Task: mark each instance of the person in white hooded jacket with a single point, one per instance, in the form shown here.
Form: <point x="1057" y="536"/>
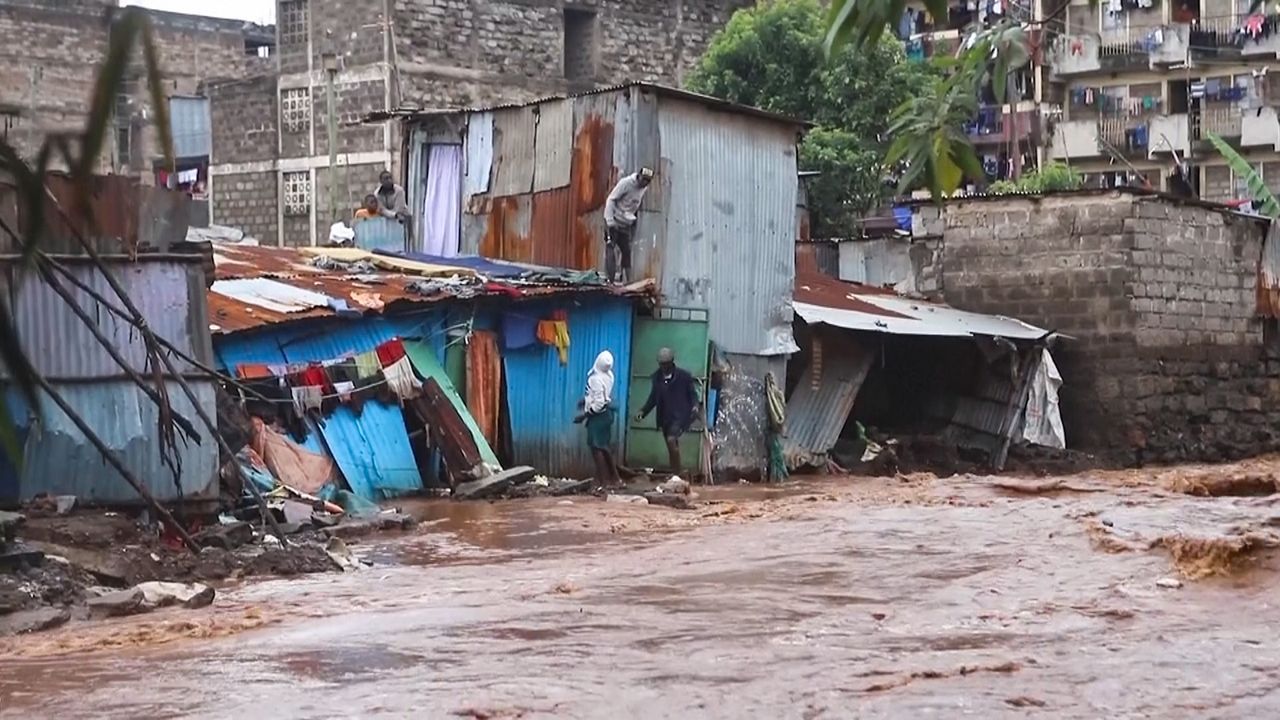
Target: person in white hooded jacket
<point x="599" y="414"/>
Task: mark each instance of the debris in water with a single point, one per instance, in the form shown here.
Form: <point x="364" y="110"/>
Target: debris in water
<point x="1169" y="583"/>
<point x="627" y="499"/>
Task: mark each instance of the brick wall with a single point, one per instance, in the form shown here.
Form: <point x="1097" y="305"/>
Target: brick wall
<point x="46" y="64"/>
<point x="474" y="52"/>
<point x="243" y="115"/>
<point x="52" y="51"/>
<point x="354" y="182"/>
<point x="248" y="201"/>
<point x="1159" y="296"/>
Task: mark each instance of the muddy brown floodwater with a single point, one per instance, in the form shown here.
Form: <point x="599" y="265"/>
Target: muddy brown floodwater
<point x="851" y="597"/>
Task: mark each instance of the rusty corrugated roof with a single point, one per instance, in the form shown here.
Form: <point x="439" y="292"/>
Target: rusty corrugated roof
<point x="372" y="292"/>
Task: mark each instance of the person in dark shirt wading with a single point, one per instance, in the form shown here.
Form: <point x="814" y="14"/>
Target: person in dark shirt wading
<point x="675" y="396"/>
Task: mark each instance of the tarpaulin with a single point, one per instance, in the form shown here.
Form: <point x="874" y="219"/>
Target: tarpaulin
<point x="1042" y="422"/>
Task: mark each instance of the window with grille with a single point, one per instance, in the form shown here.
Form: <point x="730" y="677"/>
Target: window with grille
<point x="295" y="109"/>
<point x="297" y="193"/>
<point x="292" y="22"/>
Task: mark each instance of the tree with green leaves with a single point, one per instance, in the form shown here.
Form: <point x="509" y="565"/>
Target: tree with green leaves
<point x="928" y="128"/>
<point x="772" y="56"/>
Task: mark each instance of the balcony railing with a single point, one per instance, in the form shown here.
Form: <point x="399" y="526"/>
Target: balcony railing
<point x="1224" y="121"/>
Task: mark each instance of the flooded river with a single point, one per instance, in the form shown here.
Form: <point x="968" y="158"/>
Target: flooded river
<point x="871" y="598"/>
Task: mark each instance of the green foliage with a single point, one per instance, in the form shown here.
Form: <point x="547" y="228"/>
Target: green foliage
<point x="1053" y="177"/>
<point x="80" y="153"/>
<point x="928" y="129"/>
<point x="771" y="56"/>
<point x="1258" y="190"/>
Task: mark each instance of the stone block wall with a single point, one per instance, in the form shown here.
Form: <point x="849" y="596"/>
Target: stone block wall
<point x="244" y="118"/>
<point x="1158" y="295"/>
<point x="46" y="65"/>
<point x="353" y="183"/>
<point x="249" y="201"/>
<point x="53" y="49"/>
<point x="477" y="52"/>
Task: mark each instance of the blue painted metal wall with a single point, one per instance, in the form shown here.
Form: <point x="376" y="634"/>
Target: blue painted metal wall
<point x="542" y="394"/>
<point x="59" y="460"/>
<point x="371" y="449"/>
<point x="379" y="233"/>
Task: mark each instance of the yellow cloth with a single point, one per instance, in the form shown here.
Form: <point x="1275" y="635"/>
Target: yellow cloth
<point x="556" y="333"/>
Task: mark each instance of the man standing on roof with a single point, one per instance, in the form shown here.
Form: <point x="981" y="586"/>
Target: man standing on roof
<point x="620" y="222"/>
<point x="674" y="393"/>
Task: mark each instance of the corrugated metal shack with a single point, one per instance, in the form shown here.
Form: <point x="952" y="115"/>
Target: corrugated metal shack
<point x="716" y="230"/>
<point x="166" y="281"/>
<point x="274" y="305"/>
<point x="912" y="367"/>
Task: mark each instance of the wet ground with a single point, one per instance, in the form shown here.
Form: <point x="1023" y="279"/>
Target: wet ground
<point x="1118" y="595"/>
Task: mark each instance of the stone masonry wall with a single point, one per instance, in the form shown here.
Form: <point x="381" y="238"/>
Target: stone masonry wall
<point x="478" y="52"/>
<point x="52" y="50"/>
<point x="46" y="62"/>
<point x="243" y="204"/>
<point x="1159" y="297"/>
<point x="244" y="117"/>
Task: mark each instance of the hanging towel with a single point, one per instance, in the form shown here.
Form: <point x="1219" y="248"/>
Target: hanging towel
<point x="401" y="380"/>
<point x="307" y="397"/>
<point x="344" y="390"/>
<point x="562" y="340"/>
<point x="547" y="332"/>
<point x="484" y="382"/>
<point x="368" y="364"/>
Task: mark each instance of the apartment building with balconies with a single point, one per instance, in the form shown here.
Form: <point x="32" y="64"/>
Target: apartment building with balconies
<point x="1144" y="82"/>
<point x="1008" y="132"/>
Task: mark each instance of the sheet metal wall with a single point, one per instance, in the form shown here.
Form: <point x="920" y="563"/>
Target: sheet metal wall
<point x="542" y="394"/>
<point x="189" y="126"/>
<point x="729" y="244"/>
<point x="59" y="460"/>
<point x="170" y="293"/>
<point x="717" y="229"/>
<point x="371" y="449"/>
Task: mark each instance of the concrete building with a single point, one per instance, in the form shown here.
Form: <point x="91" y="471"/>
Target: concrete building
<point x="1146" y="82"/>
<point x="49" y="56"/>
<point x="1170" y="303"/>
<point x="272" y="173"/>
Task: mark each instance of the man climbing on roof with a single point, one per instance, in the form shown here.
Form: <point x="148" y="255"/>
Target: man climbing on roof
<point x="620" y="222"/>
<point x="674" y="394"/>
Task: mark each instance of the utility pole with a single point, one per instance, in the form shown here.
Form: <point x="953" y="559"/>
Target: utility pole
<point x="330" y="73"/>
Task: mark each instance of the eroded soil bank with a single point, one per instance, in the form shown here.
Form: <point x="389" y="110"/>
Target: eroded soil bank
<point x="1130" y="594"/>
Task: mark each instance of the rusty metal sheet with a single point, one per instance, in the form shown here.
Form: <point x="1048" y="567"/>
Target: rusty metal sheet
<point x="820" y="404"/>
<point x="507" y="223"/>
<point x="513" y="155"/>
<point x="593" y="172"/>
<point x="1269" y="274"/>
<point x="551" y="235"/>
<point x="378" y="292"/>
<point x="553" y="138"/>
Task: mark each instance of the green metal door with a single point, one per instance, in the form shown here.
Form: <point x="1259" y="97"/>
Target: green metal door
<point x="685" y="332"/>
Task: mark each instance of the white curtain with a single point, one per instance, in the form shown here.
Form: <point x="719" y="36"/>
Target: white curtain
<point x="441" y="211"/>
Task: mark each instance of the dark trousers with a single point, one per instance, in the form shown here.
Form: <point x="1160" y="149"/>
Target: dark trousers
<point x="617" y="248"/>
